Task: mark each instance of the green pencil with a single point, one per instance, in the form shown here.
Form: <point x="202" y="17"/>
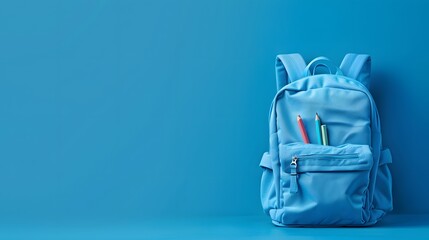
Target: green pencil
<point x="324" y="135"/>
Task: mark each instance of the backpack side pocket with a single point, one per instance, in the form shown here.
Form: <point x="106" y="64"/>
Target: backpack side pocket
<point x="268" y="193"/>
<point x="383" y="185"/>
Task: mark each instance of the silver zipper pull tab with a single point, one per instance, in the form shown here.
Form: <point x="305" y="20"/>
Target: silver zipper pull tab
<point x="293" y="175"/>
<point x="294" y="160"/>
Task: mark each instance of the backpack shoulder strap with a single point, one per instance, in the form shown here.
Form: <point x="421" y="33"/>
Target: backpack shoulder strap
<point x="357" y="66"/>
<point x="289" y="67"/>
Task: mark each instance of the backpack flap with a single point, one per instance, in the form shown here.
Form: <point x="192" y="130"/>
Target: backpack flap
<point x="289" y="67"/>
<point x="358" y="67"/>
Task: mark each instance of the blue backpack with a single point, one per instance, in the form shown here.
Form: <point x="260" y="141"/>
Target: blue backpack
<point x="341" y="177"/>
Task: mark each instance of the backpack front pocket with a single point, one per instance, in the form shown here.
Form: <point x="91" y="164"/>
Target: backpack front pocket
<point x="324" y="185"/>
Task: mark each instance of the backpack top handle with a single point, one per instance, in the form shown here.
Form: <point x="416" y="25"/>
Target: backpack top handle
<point x="322" y="62"/>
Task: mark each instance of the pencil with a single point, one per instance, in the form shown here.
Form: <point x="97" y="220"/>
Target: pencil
<point x="324" y="135"/>
<point x="302" y="129"/>
<point x="318" y="133"/>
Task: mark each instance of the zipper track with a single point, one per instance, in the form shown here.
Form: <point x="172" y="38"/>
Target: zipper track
<point x="327" y="156"/>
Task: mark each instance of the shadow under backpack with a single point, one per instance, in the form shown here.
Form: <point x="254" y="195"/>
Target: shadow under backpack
<point x="345" y="183"/>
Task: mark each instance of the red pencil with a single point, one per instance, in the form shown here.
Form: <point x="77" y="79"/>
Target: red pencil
<point x="302" y="129"/>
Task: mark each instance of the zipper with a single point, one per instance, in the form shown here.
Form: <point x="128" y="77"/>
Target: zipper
<point x="327" y="156"/>
<point x="293" y="175"/>
<point x="294" y="165"/>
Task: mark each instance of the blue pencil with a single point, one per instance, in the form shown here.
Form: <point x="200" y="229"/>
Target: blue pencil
<point x="318" y="132"/>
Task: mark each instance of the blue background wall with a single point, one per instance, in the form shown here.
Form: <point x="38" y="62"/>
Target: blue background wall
<point x="131" y="109"/>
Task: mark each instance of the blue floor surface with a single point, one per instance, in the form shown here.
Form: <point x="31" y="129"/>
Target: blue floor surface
<point x="408" y="227"/>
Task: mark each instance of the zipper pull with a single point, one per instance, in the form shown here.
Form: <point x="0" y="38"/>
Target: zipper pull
<point x="293" y="175"/>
